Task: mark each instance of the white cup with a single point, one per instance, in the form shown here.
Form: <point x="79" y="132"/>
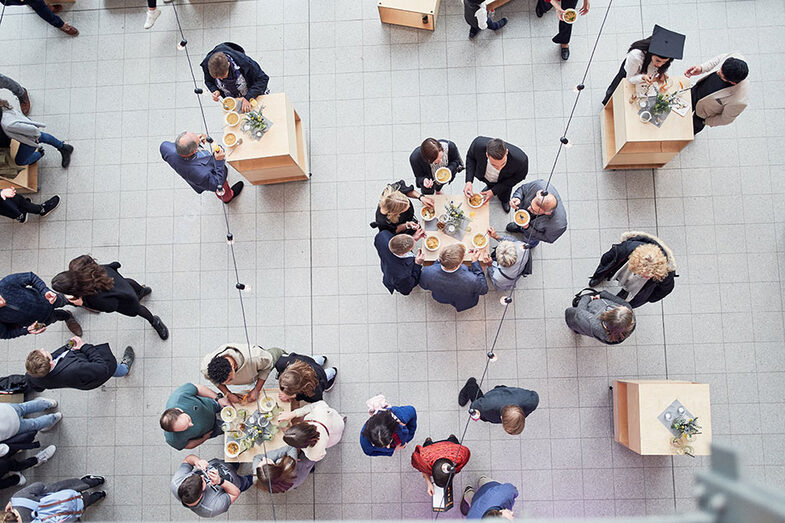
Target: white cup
<point x="645" y="116"/>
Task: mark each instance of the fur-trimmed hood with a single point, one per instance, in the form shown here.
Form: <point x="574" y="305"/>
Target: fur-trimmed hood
<point x="667" y="250"/>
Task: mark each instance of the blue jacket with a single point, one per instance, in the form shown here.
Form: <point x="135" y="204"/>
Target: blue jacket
<point x="398" y="274"/>
<point x="492" y="403"/>
<point x="203" y="173"/>
<point x="408" y="416"/>
<point x="461" y="289"/>
<point x="492" y="495"/>
<point x="255" y="78"/>
<point x="25" y="304"/>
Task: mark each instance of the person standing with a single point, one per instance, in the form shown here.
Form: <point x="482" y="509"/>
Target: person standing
<point x="282" y="469"/>
<point x="208" y="488"/>
<point x="16" y="206"/>
<point x="27" y="306"/>
<point x="431" y="156"/>
<point x="400" y="268"/>
<point x="388" y="429"/>
<point x="304" y="378"/>
<point x="239" y="364"/>
<point x="13" y="421"/>
<point x="49" y="16"/>
<point x="602" y="316"/>
<point x="501" y="166"/>
<point x="491" y="500"/>
<point x="475" y="13"/>
<point x="395" y="212"/>
<point x="509" y="406"/>
<point x="10" y="447"/>
<point x="512" y="260"/>
<point x="565" y="29"/>
<point x="18" y="91"/>
<point x="76" y="365"/>
<point x="547" y="214"/>
<point x="451" y="282"/>
<point x="321" y="428"/>
<point x="436" y="459"/>
<point x="62" y="501"/>
<point x="152" y="13"/>
<point x="16" y="126"/>
<point x="229" y="72"/>
<point x="648" y="60"/>
<point x="720" y="96"/>
<point x="204" y="171"/>
<point x="191" y="416"/>
<point x="102" y="288"/>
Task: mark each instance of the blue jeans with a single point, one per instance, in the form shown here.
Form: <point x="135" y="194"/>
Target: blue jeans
<point x="28" y="155"/>
<point x="245" y="481"/>
<point x="120" y="371"/>
<point x="31" y="407"/>
<point x="41" y="9"/>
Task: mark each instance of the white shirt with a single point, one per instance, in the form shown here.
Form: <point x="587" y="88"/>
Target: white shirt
<point x="491" y="173"/>
<point x="629" y="281"/>
<point x="633" y="63"/>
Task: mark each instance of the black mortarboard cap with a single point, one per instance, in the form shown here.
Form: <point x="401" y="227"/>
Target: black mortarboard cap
<point x="666" y="43"/>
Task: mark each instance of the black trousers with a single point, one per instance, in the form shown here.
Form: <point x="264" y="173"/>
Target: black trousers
<point x="615" y="83"/>
<point x="698" y="123"/>
<point x="503" y="193"/>
<point x="18" y="205"/>
<point x="565" y="29"/>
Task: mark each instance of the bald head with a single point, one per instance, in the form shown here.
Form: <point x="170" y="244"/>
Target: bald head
<point x="543" y="204"/>
<point x="186" y="143"/>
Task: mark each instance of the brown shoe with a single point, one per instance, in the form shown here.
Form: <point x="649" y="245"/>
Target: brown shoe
<point x="69" y="30"/>
<point x="24" y="103"/>
<point x="56" y="8"/>
<point x="73" y="326"/>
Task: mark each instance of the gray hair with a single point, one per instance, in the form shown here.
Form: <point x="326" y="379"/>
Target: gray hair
<point x="506" y="253"/>
<point x="185" y="148"/>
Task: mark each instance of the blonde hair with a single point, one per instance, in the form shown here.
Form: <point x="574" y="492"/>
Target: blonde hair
<point x="452" y="256"/>
<point x="400" y="244"/>
<point x="513" y="419"/>
<point x="648" y="260"/>
<point x="37" y="364"/>
<point x="506" y="253"/>
<point x="393" y="203"/>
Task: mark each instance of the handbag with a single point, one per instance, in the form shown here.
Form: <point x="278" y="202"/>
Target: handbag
<point x="580" y="294"/>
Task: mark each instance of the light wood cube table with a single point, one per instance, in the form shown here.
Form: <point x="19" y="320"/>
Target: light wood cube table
<point x="420" y="14"/>
<point x="479" y="224"/>
<point x="638" y="403"/>
<point x="628" y="143"/>
<point x="280" y="155"/>
<point x="27" y="179"/>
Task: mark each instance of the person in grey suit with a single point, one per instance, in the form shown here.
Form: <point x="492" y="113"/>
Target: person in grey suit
<point x="548" y="217"/>
<point x="603" y="316"/>
<point x="453" y="283"/>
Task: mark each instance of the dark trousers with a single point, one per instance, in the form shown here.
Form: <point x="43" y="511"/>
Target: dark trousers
<point x="143" y="311"/>
<point x="503" y="193"/>
<point x="698" y="123"/>
<point x="245" y="481"/>
<point x="40" y="7"/>
<point x="17" y="206"/>
<point x="27" y="155"/>
<point x="565" y="29"/>
<point x="615" y="83"/>
<point x="473" y="390"/>
<point x="451" y="439"/>
<point x="13" y="465"/>
<point x="58" y="314"/>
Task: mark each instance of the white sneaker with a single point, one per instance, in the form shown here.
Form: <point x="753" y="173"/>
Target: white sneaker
<point x="53" y="403"/>
<point x="4" y="449"/>
<point x="22" y="479"/>
<point x="58" y="416"/>
<point x="152" y="16"/>
<point x="45" y="455"/>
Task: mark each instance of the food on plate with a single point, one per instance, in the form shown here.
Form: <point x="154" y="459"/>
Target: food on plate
<point x="443" y="175"/>
<point x="427" y="213"/>
<point x="431" y="243"/>
<point x="232" y="118"/>
<point x="475" y="200"/>
<point x="521" y="217"/>
<point x="267" y="405"/>
<point x="229" y="104"/>
<point x="479" y="240"/>
<point x="230" y="139"/>
<point x="228" y="414"/>
<point x="232" y="448"/>
<point x="570" y="15"/>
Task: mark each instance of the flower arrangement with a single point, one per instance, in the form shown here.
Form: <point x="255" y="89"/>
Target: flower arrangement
<point x="455" y="214"/>
<point x="255" y="123"/>
<point x="688" y="426"/>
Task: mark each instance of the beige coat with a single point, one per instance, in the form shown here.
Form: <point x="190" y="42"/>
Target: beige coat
<point x="252" y="364"/>
<point x="329" y="420"/>
<point x="722" y="107"/>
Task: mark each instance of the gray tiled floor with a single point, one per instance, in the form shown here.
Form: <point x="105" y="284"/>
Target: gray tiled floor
<point x="369" y="93"/>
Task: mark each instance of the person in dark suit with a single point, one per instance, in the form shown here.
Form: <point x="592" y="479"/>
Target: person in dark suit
<point x="229" y="72"/>
<point x="27" y="306"/>
<point x="453" y="283"/>
<point x="643" y="265"/>
<point x="431" y="156"/>
<point x="565" y="29"/>
<point x="509" y="406"/>
<point x="76" y="365"/>
<point x="400" y="268"/>
<point x="501" y="166"/>
<point x="102" y="288"/>
<point x="204" y="171"/>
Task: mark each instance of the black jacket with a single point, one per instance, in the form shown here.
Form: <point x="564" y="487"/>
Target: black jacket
<point x="84" y="369"/>
<point x="422" y="169"/>
<point x="381" y="221"/>
<point x="514" y="171"/>
<point x="398" y="274"/>
<point x="618" y="255"/>
<point x="255" y="78"/>
<point x="492" y="403"/>
<point x="120" y="298"/>
<point x="321" y="376"/>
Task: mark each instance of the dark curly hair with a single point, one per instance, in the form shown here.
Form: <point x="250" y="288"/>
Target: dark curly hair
<point x="218" y="369"/>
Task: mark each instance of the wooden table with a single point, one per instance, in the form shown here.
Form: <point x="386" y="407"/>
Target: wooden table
<point x="628" y="143"/>
<point x="479" y="224"/>
<point x="276" y="442"/>
<point x="637" y="403"/>
<point x="420" y="14"/>
<point x="280" y="155"/>
<point x="27" y="179"/>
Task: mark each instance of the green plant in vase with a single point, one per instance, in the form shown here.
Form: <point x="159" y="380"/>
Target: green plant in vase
<point x="255" y="123"/>
<point x="662" y="104"/>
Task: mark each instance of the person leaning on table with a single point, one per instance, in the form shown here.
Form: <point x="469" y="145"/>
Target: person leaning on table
<point x="720" y="96"/>
<point x="431" y="156"/>
<point x="401" y="269"/>
<point x="500" y="165"/>
<point x="191" y="416"/>
<point x="512" y="260"/>
<point x="239" y="364"/>
<point x="229" y="72"/>
<point x="319" y="428"/>
<point x="451" y="282"/>
<point x="547" y="215"/>
<point x="208" y="488"/>
<point x="395" y="212"/>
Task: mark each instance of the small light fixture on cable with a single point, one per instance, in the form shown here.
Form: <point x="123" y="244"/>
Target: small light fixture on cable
<point x="492" y="355"/>
<point x="475" y="414"/>
<point x="229" y="239"/>
<point x="565" y="141"/>
<point x="181" y="44"/>
<point x="505" y="300"/>
<point x="578" y="88"/>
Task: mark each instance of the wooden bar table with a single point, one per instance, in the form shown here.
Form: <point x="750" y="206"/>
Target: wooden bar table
<point x="276" y="442"/>
<point x="638" y="403"/>
<point x="479" y="223"/>
<point x="27" y="179"/>
<point x="280" y="155"/>
<point x="628" y="143"/>
<point x="420" y="14"/>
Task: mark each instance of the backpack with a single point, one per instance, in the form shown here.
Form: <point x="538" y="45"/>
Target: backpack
<point x="55" y="507"/>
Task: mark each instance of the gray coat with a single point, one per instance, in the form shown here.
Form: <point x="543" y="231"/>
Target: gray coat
<point x="543" y="228"/>
<point x="585" y="318"/>
<point x="20" y="128"/>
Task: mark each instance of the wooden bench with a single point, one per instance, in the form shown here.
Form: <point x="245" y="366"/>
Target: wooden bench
<point x="420" y="14"/>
